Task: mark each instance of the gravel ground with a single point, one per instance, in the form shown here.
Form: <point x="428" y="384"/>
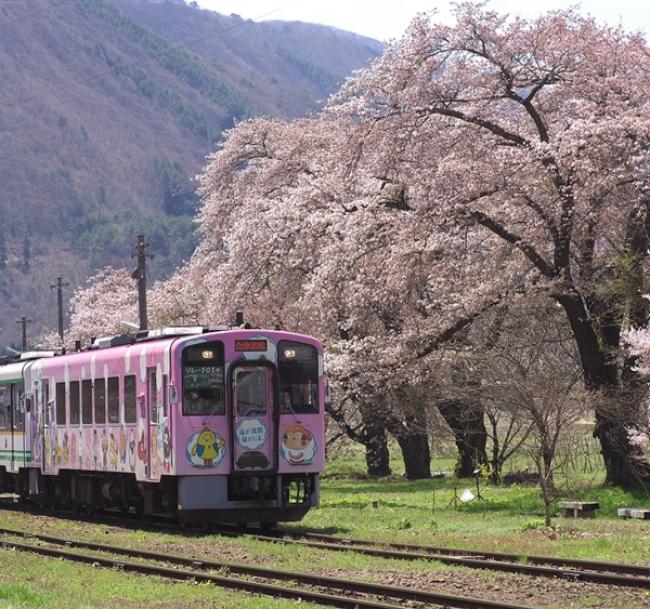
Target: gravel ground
<point x="520" y="589"/>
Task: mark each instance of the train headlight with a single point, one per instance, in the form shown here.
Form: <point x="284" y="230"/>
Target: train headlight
<point x="207" y="354"/>
<point x="289" y="353"/>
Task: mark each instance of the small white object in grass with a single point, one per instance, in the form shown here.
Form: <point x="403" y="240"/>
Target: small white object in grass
<point x="466" y="496"/>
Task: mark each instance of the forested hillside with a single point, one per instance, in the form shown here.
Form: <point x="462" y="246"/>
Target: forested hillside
<point x="107" y="111"/>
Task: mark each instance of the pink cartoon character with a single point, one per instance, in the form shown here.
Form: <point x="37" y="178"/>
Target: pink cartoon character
<point x="298" y="444"/>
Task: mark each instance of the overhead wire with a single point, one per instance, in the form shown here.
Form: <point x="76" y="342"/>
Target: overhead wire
<point x="48" y="6"/>
<point x="20" y="103"/>
<point x="138" y="62"/>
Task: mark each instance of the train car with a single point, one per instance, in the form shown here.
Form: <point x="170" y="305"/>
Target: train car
<point x="222" y="425"/>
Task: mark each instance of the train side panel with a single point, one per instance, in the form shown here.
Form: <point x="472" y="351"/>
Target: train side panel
<point x="104" y="411"/>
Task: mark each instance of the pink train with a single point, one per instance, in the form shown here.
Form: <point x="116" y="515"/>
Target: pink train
<point x="210" y="425"/>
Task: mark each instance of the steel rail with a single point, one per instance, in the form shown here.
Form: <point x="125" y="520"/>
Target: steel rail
<point x="597" y="577"/>
<point x="591" y="565"/>
<point x="617" y="574"/>
<point x="380" y="590"/>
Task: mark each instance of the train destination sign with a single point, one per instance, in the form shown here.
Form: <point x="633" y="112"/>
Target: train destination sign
<point x="250" y="345"/>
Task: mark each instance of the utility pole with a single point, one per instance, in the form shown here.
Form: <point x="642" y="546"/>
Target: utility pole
<point x="24" y="321"/>
<point x="59" y="301"/>
<point x="140" y="274"/>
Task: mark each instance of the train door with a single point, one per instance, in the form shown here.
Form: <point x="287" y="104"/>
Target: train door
<point x="12" y="421"/>
<point x="254" y="414"/>
<point x="151" y="423"/>
<point x="18" y="405"/>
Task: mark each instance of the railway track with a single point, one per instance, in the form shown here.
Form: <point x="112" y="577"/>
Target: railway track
<point x="616" y="574"/>
<point x="588" y="571"/>
<point x="323" y="590"/>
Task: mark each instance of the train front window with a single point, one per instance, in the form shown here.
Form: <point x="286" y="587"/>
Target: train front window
<point x="252" y="387"/>
<point x="298" y="372"/>
<point x="203" y="391"/>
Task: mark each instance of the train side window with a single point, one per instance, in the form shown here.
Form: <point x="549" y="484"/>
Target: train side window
<point x="60" y="403"/>
<point x="130" y="399"/>
<point x="100" y="401"/>
<point x="74" y="403"/>
<point x="19" y="415"/>
<point x="153" y="397"/>
<point x="165" y="382"/>
<point x="46" y="400"/>
<point x="87" y="402"/>
<point x="5" y="405"/>
<point x="113" y="400"/>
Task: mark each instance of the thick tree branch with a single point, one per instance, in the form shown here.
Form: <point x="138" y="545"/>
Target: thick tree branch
<point x="494" y="128"/>
<point x="529" y="251"/>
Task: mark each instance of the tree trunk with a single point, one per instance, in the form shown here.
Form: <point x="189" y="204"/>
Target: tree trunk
<point x="625" y="464"/>
<point x="376" y="442"/>
<point x="416" y="455"/>
<point x="465" y="420"/>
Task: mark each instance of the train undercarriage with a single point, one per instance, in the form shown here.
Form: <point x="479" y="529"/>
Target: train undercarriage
<point x="265" y="499"/>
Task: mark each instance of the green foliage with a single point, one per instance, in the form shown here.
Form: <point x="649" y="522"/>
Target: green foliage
<point x="106" y="237"/>
<point x="535" y="523"/>
<point x="627" y="279"/>
<point x="178" y="193"/>
<point x="319" y="76"/>
<point x="177" y="61"/>
<point x="403" y="523"/>
<point x="166" y="99"/>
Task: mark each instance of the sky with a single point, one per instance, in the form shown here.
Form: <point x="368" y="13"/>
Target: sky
<point x="386" y="19"/>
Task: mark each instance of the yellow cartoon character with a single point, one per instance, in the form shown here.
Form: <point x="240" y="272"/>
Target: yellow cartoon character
<point x="207" y="448"/>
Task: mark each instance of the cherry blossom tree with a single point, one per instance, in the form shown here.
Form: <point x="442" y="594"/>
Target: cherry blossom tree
<point x="534" y="133"/>
<point x="300" y="237"/>
<point x="100" y="308"/>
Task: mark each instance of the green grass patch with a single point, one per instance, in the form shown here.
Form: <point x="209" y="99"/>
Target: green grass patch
<point x="510" y="519"/>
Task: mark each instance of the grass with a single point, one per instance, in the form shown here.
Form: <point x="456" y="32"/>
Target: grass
<point x="26" y="583"/>
<point x="509" y="519"/>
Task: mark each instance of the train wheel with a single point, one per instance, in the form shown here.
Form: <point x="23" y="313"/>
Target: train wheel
<point x="268" y="525"/>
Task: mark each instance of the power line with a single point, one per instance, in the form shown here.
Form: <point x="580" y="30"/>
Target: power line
<point x="48" y="7"/>
<point x="18" y="103"/>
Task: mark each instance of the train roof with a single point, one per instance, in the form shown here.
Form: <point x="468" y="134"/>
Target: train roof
<point x="12" y="372"/>
<point x="149" y="335"/>
<point x="12" y="367"/>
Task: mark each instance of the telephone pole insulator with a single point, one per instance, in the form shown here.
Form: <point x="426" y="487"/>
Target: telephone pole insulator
<point x="140" y="273"/>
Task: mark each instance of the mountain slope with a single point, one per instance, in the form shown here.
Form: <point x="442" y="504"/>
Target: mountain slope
<point x="282" y="68"/>
<point x="103" y="120"/>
